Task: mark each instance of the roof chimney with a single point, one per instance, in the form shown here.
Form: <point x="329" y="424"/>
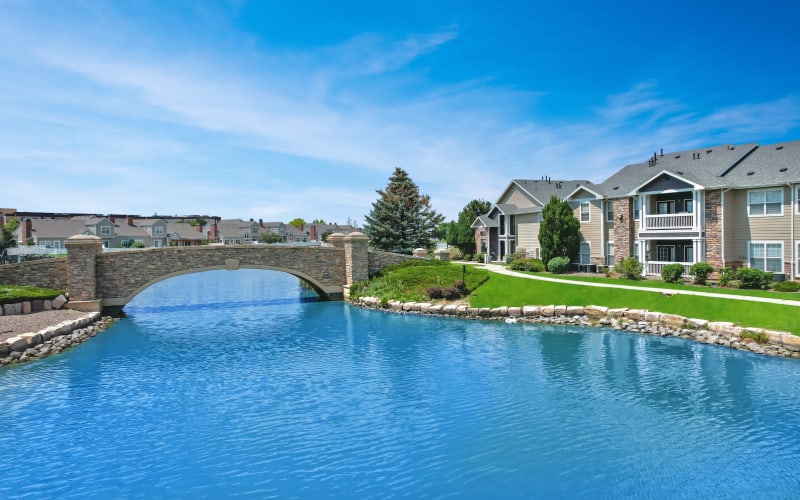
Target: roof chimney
<point x="261" y="222"/>
<point x="27" y="231"/>
<point x="129" y="220"/>
<point x="662" y="151"/>
<point x="112" y="219"/>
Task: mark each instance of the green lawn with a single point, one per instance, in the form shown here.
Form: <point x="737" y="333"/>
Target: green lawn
<point x="501" y="290"/>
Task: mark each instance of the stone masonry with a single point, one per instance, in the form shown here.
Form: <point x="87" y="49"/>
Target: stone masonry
<point x="623" y="229"/>
<point x="713" y="216"/>
<point x="82" y="251"/>
<point x="45" y="273"/>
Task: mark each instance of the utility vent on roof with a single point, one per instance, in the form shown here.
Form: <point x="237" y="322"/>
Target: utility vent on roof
<point x="677" y="156"/>
<point x="778" y="147"/>
<point x="708" y="151"/>
<point x="784" y="169"/>
<point x="750" y="172"/>
<point x="679" y="172"/>
<point x="616" y="187"/>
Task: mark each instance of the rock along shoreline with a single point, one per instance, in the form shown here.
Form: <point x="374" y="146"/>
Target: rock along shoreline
<point x="53" y="339"/>
<point x="773" y="343"/>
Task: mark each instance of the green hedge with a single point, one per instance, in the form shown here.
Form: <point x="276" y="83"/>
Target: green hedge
<point x="10" y="294"/>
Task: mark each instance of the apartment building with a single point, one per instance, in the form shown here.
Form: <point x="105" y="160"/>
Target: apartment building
<point x="729" y="205"/>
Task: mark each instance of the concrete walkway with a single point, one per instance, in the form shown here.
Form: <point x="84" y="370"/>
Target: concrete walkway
<point x="495" y="268"/>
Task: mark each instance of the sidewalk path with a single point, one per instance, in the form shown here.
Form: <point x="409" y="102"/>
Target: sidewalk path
<point x="503" y="270"/>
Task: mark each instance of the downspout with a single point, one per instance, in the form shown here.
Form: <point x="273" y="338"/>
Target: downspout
<point x="603" y="223"/>
<point x="792" y="211"/>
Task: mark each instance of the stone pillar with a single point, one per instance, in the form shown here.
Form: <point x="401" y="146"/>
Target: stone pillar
<point x="623" y="229"/>
<point x="356" y="257"/>
<point x="81" y="281"/>
<point x="336" y="240"/>
<point x="420" y="253"/>
<point x="713" y="220"/>
<point x="442" y="254"/>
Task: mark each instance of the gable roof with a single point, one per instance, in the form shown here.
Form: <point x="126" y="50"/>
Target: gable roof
<point x="542" y="190"/>
<point x="704" y="167"/>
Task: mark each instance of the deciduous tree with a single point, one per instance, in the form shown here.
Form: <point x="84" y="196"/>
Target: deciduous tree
<point x="461" y="234"/>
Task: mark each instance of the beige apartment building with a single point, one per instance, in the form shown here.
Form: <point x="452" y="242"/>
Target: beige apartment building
<point x="729" y="205"/>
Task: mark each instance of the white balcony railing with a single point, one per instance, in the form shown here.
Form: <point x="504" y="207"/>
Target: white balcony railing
<point x="653" y="268"/>
<point x="668" y="222"/>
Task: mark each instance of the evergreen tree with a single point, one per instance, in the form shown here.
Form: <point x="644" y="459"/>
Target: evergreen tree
<point x="461" y="234"/>
<point x="402" y="219"/>
<point x="559" y="232"/>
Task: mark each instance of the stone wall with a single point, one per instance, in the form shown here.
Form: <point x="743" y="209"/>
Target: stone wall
<point x="45" y="273"/>
<point x="726" y="334"/>
<point x="120" y="274"/>
<point x="713" y="224"/>
<point x="623" y="229"/>
<point x="379" y="260"/>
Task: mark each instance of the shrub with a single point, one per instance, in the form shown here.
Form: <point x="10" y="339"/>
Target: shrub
<point x="455" y="253"/>
<point x="786" y="286"/>
<point x="434" y="292"/>
<point x="451" y="293"/>
<point x="478" y="257"/>
<point x="630" y="268"/>
<point x="752" y="278"/>
<point x="671" y="273"/>
<point x="758" y="337"/>
<point x="461" y="286"/>
<point x="700" y="271"/>
<point x="725" y="276"/>
<point x="467" y="257"/>
<point x="531" y="265"/>
<point x="558" y="265"/>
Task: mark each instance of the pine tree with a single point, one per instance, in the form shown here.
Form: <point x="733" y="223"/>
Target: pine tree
<point x="401" y="219"/>
<point x="462" y="235"/>
<point x="559" y="232"/>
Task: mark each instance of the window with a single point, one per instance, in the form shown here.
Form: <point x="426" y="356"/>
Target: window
<point x="105" y="230"/>
<point x="585" y="212"/>
<point x="501" y="224"/>
<point x="158" y="230"/>
<point x="610" y="253"/>
<point x="56" y="244"/>
<point x="254" y="230"/>
<point x="637" y="208"/>
<point x="512" y="224"/>
<point x="666" y="253"/>
<point x="688" y="206"/>
<point x="765" y="202"/>
<point x="766" y="255"/>
<point x="666" y="207"/>
<point x="636" y="250"/>
<point x="688" y="254"/>
<point x="157" y="243"/>
<point x="586" y="252"/>
<point x="609" y="211"/>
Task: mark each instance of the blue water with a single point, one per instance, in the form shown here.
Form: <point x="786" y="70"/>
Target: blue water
<point x="226" y="384"/>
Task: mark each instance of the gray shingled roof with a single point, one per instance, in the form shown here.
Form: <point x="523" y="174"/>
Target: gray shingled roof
<point x="768" y="165"/>
<point x="484" y="221"/>
<point x="709" y="167"/>
<point x="543" y="190"/>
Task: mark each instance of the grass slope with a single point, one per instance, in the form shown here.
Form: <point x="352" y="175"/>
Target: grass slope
<point x="501" y="290"/>
<point x="10" y="294"/>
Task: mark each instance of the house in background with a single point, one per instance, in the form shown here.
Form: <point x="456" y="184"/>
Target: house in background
<point x="730" y="205"/>
<point x="116" y="232"/>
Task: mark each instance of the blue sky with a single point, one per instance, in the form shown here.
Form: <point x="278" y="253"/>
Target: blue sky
<point x="277" y="110"/>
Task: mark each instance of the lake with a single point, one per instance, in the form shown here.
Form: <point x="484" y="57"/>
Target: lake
<point x="232" y="383"/>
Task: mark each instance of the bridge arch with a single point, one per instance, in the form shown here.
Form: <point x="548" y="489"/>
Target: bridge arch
<point x="325" y="292"/>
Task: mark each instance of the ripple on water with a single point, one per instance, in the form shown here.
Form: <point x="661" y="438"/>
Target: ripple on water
<point x="235" y="396"/>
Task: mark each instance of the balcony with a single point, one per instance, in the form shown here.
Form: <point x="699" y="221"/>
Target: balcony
<point x="668" y="222"/>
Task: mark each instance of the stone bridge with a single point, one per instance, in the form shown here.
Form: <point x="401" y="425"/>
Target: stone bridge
<point x="107" y="281"/>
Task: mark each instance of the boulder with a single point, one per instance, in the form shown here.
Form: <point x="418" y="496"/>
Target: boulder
<point x="59" y="302"/>
<point x="595" y="311"/>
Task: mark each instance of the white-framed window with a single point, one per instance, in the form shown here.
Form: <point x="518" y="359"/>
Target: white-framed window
<point x="610" y="211"/>
<point x="797" y="205"/>
<point x="105" y="230"/>
<point x="637" y="208"/>
<point x="666" y="207"/>
<point x="586" y="252"/>
<point x="512" y="224"/>
<point x="56" y="244"/>
<point x="636" y="250"/>
<point x="765" y="202"/>
<point x="158" y="230"/>
<point x="157" y="243"/>
<point x="666" y="253"/>
<point x="501" y="224"/>
<point x="254" y="230"/>
<point x="688" y="205"/>
<point x="610" y="253"/>
<point x="44" y="243"/>
<point x="688" y="254"/>
<point x="765" y="255"/>
<point x="585" y="214"/>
